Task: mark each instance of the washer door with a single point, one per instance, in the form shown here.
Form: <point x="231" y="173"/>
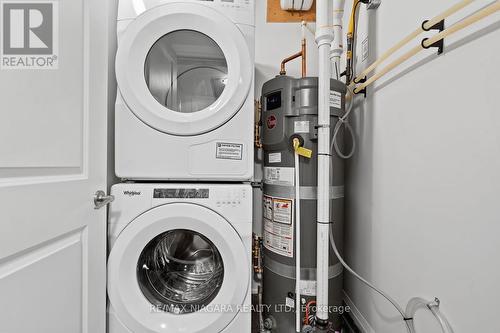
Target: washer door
<point x="178" y="268"/>
<point x="183" y="68"/>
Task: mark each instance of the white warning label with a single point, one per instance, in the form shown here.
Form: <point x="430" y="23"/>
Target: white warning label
<point x="229" y="151"/>
<point x="335" y="99"/>
<point x="278" y="225"/>
<point x="279" y="176"/>
<point x="301" y="126"/>
<point x="308" y="287"/>
<point x="282" y="210"/>
<point x="275" y="158"/>
<point x="268" y="208"/>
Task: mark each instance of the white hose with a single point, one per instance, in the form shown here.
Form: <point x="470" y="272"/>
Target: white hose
<point x="344" y="120"/>
<point x="298" y="321"/>
<point x="360" y="278"/>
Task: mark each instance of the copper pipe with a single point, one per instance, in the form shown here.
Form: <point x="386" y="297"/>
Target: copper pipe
<point x="256" y="254"/>
<point x="302" y="53"/>
<point x="257" y="124"/>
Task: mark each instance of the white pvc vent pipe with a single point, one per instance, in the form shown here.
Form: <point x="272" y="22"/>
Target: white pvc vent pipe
<point x="301" y="5"/>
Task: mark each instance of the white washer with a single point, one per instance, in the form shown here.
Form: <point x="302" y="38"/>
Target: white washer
<point x="180" y="258"/>
<point x="185" y="104"/>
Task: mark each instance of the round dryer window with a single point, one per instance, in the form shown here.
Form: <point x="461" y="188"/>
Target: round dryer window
<point x="183" y="68"/>
<point x="186" y="71"/>
<point x="180" y="271"/>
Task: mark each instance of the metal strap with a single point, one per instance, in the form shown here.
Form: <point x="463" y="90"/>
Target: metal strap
<point x="306" y="192"/>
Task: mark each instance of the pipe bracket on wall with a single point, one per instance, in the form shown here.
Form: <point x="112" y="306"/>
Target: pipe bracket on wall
<point x="440" y="43"/>
<point x="362" y="91"/>
<point x="373" y="4"/>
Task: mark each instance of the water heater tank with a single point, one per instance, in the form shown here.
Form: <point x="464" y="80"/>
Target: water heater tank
<point x="289" y="110"/>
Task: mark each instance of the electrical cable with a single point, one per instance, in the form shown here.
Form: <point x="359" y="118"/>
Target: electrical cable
<point x="344" y="120"/>
<point x="360" y="278"/>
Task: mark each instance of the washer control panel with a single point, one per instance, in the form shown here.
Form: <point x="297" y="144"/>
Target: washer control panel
<point x="231" y="198"/>
<point x="181" y="193"/>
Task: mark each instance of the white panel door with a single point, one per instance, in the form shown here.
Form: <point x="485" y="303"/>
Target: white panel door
<point x="52" y="161"/>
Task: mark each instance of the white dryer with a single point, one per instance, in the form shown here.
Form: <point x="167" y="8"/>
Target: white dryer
<point x="185" y="104"/>
<point x="180" y="258"/>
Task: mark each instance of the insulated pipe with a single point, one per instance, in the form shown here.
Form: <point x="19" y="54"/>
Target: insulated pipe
<point x="324" y="37"/>
<point x="452" y="10"/>
<point x="429" y="24"/>
<point x="493" y="8"/>
<point x="337" y="47"/>
<point x="485" y="12"/>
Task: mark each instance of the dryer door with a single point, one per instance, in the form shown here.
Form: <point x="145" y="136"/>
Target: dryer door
<point x="178" y="268"/>
<point x="183" y="68"/>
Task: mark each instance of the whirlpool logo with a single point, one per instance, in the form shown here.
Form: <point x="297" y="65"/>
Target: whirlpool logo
<point x="132" y="193"/>
<point x="29" y="34"/>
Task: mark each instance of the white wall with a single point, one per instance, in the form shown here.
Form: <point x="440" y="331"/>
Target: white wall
<point x="423" y="210"/>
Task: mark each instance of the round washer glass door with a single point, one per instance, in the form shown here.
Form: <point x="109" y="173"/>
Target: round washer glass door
<point x="183" y="68"/>
<point x="180" y="271"/>
<point x="171" y="265"/>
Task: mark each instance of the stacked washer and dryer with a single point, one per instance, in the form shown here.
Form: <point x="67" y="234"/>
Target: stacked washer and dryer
<point x="180" y="228"/>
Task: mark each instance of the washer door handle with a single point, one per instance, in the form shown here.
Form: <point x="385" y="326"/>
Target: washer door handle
<point x="101" y="199"/>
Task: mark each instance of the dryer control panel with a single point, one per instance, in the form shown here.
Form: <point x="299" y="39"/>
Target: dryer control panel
<point x="233" y="3"/>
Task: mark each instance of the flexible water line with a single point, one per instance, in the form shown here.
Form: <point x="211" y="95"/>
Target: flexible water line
<point x="419" y="303"/>
<point x="298" y="325"/>
<point x="344" y="120"/>
<point x="360" y="278"/>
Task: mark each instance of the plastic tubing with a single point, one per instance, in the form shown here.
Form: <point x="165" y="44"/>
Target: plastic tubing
<point x="452" y="10"/>
<point x="494" y="7"/>
<point x="419" y="303"/>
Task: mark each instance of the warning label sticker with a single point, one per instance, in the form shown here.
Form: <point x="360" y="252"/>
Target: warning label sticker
<point x="308" y="287"/>
<point x="279" y="176"/>
<point x="229" y="151"/>
<point x="335" y="99"/>
<point x="278" y="225"/>
<point x="301" y="126"/>
<point x="275" y="158"/>
<point x="282" y="210"/>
